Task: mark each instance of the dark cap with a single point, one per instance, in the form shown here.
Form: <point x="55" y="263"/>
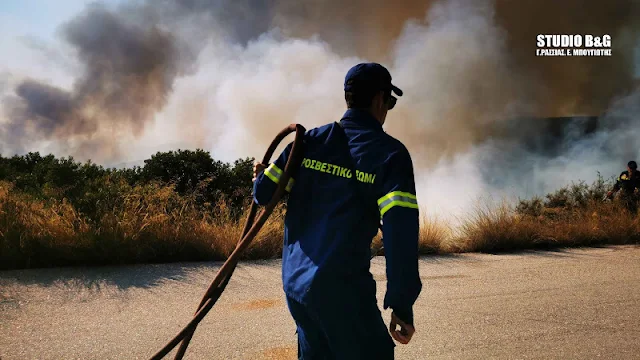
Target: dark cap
<point x="632" y="165"/>
<point x="369" y="77"/>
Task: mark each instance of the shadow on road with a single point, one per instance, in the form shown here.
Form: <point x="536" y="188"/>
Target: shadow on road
<point x="555" y="252"/>
<point x="545" y="252"/>
<point x="150" y="275"/>
<point x="120" y="277"/>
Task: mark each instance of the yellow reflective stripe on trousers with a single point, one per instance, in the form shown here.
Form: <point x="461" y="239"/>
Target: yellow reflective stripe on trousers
<point x="397" y="198"/>
<point x="274" y="173"/>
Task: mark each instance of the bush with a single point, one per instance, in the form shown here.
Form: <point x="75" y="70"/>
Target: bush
<point x="188" y="172"/>
<point x="577" y="196"/>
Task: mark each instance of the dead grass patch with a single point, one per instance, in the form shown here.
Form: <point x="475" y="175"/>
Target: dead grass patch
<point x="153" y="223"/>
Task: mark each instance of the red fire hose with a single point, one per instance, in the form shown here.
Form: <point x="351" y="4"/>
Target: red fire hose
<point x="251" y="229"/>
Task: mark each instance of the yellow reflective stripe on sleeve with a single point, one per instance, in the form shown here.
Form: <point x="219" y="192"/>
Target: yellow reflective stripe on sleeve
<point x="290" y="184"/>
<point x="395" y="194"/>
<point x="274" y="173"/>
<point x="397" y="198"/>
<point x="275" y="168"/>
<point x="398" y="203"/>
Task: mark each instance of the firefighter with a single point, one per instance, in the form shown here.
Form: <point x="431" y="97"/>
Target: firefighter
<point x="354" y="179"/>
<point x="629" y="183"/>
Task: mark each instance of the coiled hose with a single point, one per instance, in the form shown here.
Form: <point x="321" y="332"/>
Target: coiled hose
<point x="249" y="232"/>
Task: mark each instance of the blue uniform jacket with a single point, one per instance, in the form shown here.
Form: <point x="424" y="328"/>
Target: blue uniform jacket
<point x="353" y="177"/>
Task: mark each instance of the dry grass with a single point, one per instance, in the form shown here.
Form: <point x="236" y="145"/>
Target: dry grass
<point x="147" y="224"/>
<point x="435" y="236"/>
<point x="502" y="229"/>
<point x="153" y="223"/>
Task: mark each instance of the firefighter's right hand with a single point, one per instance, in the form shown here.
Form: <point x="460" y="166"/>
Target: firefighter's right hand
<point x="258" y="168"/>
<point x="405" y="333"/>
<point x="609" y="194"/>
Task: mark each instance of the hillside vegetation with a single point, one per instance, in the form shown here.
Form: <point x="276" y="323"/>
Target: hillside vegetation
<point x="184" y="205"/>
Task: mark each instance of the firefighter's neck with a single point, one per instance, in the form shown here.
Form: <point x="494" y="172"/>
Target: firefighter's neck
<point x="378" y="108"/>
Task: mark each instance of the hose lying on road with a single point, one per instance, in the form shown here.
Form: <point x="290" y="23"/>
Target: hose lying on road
<point x="249" y="232"/>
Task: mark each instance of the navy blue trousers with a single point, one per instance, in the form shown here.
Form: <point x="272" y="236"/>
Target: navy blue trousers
<point x="341" y="324"/>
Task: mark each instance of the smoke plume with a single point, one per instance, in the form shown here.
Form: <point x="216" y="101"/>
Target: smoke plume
<point x="227" y="75"/>
<point x="129" y="69"/>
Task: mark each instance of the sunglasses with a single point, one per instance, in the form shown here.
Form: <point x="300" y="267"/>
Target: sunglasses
<point x="391" y="102"/>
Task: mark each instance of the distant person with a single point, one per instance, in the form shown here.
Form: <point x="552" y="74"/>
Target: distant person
<point x="353" y="176"/>
<point x="629" y="183"/>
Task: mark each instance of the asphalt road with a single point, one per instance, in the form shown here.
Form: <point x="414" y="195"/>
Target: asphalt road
<point x="569" y="304"/>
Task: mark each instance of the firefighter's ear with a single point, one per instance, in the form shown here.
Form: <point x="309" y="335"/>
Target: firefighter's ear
<point x="379" y="107"/>
<point x="378" y="101"/>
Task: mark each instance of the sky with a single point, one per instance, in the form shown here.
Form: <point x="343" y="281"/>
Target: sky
<point x="41" y="18"/>
<point x="25" y="22"/>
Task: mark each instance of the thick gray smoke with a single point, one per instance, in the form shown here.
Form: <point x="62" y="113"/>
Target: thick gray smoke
<point x="227" y="75"/>
<point x="130" y="65"/>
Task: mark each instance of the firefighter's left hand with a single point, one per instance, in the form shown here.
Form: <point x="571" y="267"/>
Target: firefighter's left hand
<point x="405" y="333"/>
<point x="258" y="168"/>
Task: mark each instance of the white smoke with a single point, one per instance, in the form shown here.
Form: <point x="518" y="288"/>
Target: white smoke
<point x="242" y="96"/>
<point x="459" y="86"/>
